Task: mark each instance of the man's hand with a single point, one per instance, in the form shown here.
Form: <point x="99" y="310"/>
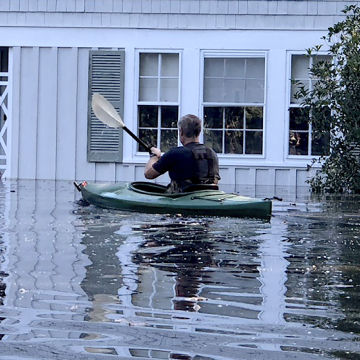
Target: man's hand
<point x="156" y="151"/>
<point x="150" y="172"/>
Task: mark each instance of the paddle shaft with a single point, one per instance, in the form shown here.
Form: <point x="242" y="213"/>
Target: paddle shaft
<point x="137" y="139"/>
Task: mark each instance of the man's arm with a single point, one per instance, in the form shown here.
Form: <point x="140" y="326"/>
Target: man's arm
<point x="150" y="172"/>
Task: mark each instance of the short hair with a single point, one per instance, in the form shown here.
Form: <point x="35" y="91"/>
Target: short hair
<point x="190" y="125"/>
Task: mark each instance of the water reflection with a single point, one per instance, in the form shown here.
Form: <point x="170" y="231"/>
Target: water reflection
<point x="325" y="264"/>
<point x="82" y="282"/>
<point x="194" y="260"/>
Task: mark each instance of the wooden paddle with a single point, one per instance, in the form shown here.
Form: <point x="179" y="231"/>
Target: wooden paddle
<point x="107" y="114"/>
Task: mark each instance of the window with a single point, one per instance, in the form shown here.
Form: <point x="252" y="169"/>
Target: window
<point x="302" y="140"/>
<point x="234" y="100"/>
<point x="158" y="101"/>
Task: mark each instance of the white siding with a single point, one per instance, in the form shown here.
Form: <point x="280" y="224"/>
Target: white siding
<point x="28" y="117"/>
<point x="47" y="121"/>
<point x="46" y="109"/>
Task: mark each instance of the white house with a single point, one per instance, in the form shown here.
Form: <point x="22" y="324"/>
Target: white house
<point x="228" y="61"/>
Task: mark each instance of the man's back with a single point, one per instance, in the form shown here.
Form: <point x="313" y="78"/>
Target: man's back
<point x="190" y="164"/>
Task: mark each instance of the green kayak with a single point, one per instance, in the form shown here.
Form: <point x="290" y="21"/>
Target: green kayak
<point x="152" y="198"/>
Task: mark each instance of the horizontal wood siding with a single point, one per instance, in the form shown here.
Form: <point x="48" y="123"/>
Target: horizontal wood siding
<point x="173" y="14"/>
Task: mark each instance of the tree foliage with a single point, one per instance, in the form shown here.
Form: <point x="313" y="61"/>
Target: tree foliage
<point x="334" y="105"/>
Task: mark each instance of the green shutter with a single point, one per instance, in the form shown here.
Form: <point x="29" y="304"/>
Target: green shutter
<point x="106" y="76"/>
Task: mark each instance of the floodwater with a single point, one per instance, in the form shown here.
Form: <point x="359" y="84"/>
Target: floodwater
<point x="81" y="282"/>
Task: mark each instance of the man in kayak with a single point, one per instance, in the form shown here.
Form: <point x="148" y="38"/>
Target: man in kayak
<point x="192" y="163"/>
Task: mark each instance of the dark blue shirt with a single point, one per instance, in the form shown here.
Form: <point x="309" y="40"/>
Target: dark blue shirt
<point x="181" y="163"/>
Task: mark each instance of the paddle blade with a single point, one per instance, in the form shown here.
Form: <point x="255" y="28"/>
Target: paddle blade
<point x="105" y="112"/>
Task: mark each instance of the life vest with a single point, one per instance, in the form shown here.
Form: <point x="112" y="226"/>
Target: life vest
<point x="204" y="169"/>
<point x="204" y="162"/>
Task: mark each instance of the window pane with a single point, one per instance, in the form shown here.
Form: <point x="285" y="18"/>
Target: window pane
<point x="148" y="89"/>
<point x="169" y="139"/>
<point x="149" y="136"/>
<point x="254" y="91"/>
<point x="242" y="81"/>
<point x="233" y="142"/>
<point x="299" y="119"/>
<point x="299" y="67"/>
<point x="255" y="68"/>
<point x="169" y="116"/>
<point x="234" y="91"/>
<point x="235" y="68"/>
<point x="148" y="64"/>
<point x="213" y="90"/>
<point x="170" y="65"/>
<point x="298" y="143"/>
<point x="318" y="58"/>
<point x="253" y="142"/>
<point x="148" y="116"/>
<point x="234" y="118"/>
<point x="213" y="117"/>
<point x="320" y="144"/>
<point x="169" y="90"/>
<point x="254" y="117"/>
<point x="295" y="88"/>
<point x="213" y="139"/>
<point x="213" y="68"/>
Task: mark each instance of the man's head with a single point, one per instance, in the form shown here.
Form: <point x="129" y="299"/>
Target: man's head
<point x="189" y="126"/>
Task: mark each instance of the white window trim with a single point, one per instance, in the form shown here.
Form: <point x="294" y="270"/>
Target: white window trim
<point x="233" y="159"/>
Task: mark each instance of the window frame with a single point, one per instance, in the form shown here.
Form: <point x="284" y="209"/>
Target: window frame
<point x="235" y="55"/>
<point x="290" y="105"/>
<point x="159" y="103"/>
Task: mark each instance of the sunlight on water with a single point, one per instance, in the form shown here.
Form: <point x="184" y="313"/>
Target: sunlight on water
<point x="89" y="283"/>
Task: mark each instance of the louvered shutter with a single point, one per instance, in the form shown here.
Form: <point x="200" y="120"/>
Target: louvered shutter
<point x="106" y="76"/>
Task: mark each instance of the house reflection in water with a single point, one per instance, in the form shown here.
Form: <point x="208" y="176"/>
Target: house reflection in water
<point x="177" y="254"/>
<point x="185" y="264"/>
<point x="194" y="266"/>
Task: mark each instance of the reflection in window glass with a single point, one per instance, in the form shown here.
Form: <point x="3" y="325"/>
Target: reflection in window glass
<point x="148" y="136"/>
<point x="213" y="118"/>
<point x="253" y="142"/>
<point x="299" y="119"/>
<point x="158" y="126"/>
<point x="169" y="117"/>
<point x="237" y="124"/>
<point x="233" y="142"/>
<point x="148" y="116"/>
<point x="213" y="139"/>
<point x="234" y="118"/>
<point x="169" y="139"/>
<point x="320" y="143"/>
<point x="254" y="117"/>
